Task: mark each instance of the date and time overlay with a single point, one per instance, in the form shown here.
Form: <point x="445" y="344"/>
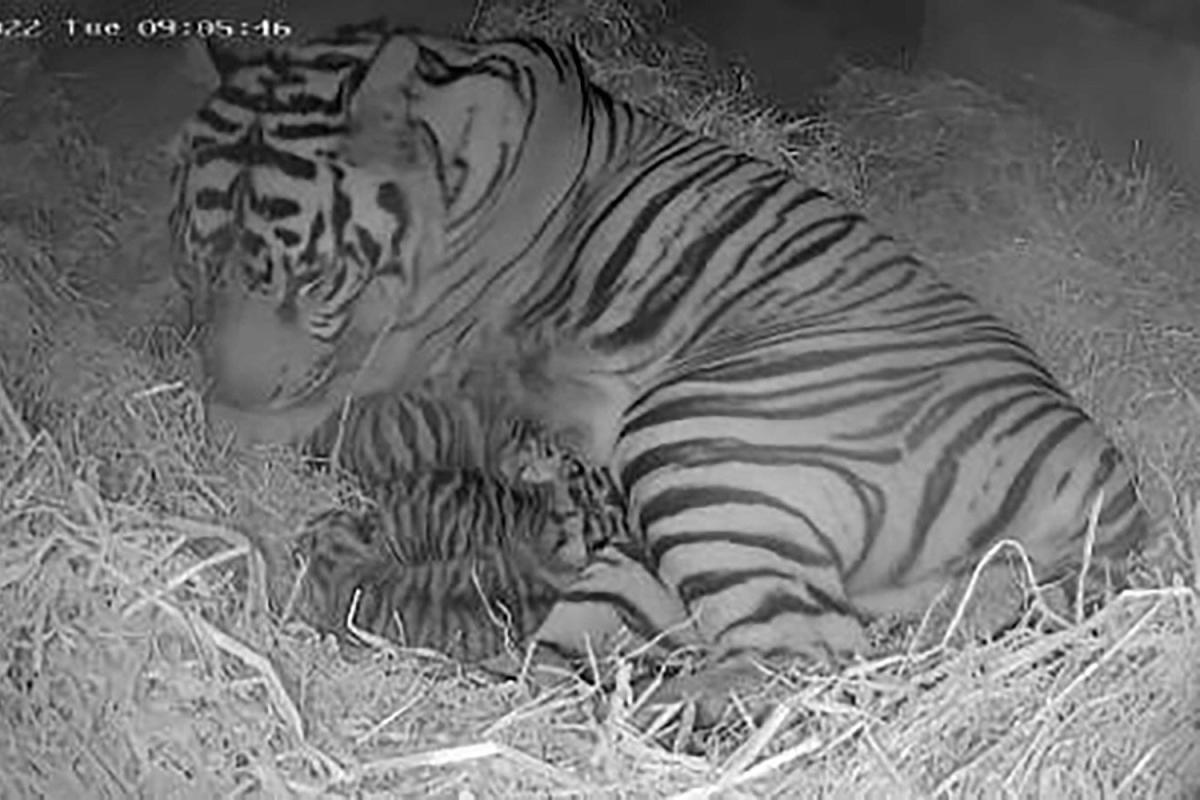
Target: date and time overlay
<point x="66" y="29"/>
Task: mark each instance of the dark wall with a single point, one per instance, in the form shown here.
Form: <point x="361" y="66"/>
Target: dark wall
<point x="792" y="47"/>
<point x="1133" y="92"/>
<point x="1174" y="19"/>
<point x="135" y="95"/>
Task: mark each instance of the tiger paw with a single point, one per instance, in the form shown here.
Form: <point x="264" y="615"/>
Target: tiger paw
<point x="712" y="689"/>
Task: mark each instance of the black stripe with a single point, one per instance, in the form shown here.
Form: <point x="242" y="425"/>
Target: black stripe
<point x="779" y="545"/>
<point x="217" y="122"/>
<point x="843" y="224"/>
<point x="676" y="501"/>
<point x="274" y="208"/>
<point x="1018" y="490"/>
<point x="885" y="265"/>
<point x="629" y="611"/>
<point x="660" y="301"/>
<point x="609" y="284"/>
<point x="268" y="103"/>
<point x="721" y="451"/>
<point x="250" y="152"/>
<point x="766" y="405"/>
<point x="772" y="605"/>
<point x="942" y="478"/>
<point x="758" y="367"/>
<point x="295" y="132"/>
<point x="950" y="406"/>
<point x="705" y="583"/>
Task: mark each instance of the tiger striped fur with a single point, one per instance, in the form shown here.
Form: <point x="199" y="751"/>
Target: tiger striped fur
<point x="808" y="425"/>
<point x="478" y="523"/>
<point x="448" y="559"/>
<point x="384" y="439"/>
<point x="391" y="434"/>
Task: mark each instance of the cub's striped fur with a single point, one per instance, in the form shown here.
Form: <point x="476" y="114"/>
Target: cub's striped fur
<point x="479" y="522"/>
<point x="384" y="439"/>
<point x="808" y="425"/>
<point x="450" y="559"/>
<point x="387" y="435"/>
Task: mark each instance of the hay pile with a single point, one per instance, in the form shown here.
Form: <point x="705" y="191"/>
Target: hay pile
<point x="138" y="655"/>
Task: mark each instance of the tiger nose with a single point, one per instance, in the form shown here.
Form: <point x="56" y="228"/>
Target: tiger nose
<point x="240" y="374"/>
<point x="248" y="352"/>
<point x="256" y="362"/>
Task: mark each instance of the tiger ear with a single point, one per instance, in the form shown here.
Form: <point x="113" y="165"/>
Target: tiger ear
<point x="378" y="26"/>
<point x="203" y="67"/>
<point x="391" y="69"/>
<point x="378" y="110"/>
<point x="380" y="93"/>
<point x="207" y="61"/>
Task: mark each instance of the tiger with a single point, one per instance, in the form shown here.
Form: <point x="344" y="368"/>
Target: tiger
<point x="476" y="521"/>
<point x="810" y="428"/>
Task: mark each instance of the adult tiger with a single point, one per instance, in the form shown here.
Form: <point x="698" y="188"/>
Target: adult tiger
<point x="809" y="425"/>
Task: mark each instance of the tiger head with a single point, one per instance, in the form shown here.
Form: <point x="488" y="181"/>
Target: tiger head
<point x="302" y="211"/>
<point x="328" y="196"/>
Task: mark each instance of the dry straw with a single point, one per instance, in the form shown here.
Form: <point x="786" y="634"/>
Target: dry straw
<point x="140" y="653"/>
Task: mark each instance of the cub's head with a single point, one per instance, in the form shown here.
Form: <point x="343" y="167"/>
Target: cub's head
<point x="305" y="204"/>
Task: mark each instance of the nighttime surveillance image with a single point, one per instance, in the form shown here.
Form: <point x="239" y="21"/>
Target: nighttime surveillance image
<point x="600" y="399"/>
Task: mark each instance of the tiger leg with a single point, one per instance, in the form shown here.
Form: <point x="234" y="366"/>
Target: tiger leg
<point x="758" y="583"/>
<point x="750" y="533"/>
<point x="728" y="540"/>
<point x="615" y="595"/>
<point x="756" y="576"/>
